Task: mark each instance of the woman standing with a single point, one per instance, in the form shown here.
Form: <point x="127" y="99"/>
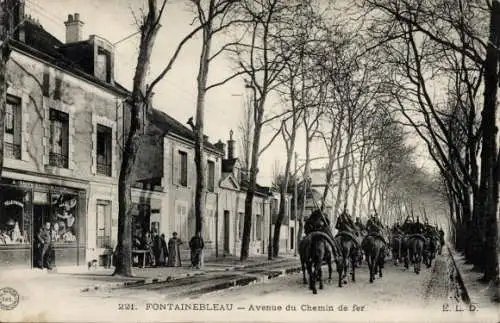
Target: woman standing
<point x="174" y="259"/>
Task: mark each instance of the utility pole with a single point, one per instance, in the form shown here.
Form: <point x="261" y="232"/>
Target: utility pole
<point x="295" y="202"/>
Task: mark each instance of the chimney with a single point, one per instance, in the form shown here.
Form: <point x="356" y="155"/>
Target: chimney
<point x="230" y="146"/>
<point x="74" y="28"/>
<point x="220" y="146"/>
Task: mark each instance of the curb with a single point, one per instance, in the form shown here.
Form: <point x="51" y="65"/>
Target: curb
<point x="140" y="282"/>
<point x="148" y="281"/>
<point x="465" y="294"/>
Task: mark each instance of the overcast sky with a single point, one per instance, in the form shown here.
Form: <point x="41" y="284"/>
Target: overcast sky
<point x="175" y="95"/>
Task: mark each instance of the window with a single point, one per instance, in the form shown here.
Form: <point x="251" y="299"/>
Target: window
<point x="211" y="176"/>
<point x="59" y="135"/>
<point x="103" y="66"/>
<point x="183" y="176"/>
<point x="241" y="223"/>
<point x="258" y="227"/>
<point x="104" y="224"/>
<point x="103" y="150"/>
<point x="12" y="134"/>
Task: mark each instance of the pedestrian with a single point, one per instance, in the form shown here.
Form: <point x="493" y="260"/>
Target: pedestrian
<point x="157" y="250"/>
<point x="148" y="246"/>
<point x="196" y="245"/>
<point x="164" y="248"/>
<point x="174" y="253"/>
<point x="44" y="242"/>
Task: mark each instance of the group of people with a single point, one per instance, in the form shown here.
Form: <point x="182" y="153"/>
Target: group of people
<point x="159" y="252"/>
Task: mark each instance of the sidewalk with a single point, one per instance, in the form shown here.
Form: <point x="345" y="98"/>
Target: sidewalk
<point x="479" y="293"/>
<point x="81" y="279"/>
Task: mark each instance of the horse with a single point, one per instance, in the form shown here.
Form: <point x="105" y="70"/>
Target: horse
<point x="350" y="253"/>
<point x="431" y="247"/>
<point x="374" y="249"/>
<point x="313" y="251"/>
<point x="397" y="248"/>
<point x="416" y="245"/>
<point x="303" y="244"/>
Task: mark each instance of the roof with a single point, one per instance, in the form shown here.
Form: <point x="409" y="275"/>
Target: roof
<point x="262" y="190"/>
<point x="167" y="124"/>
<point x="40" y="43"/>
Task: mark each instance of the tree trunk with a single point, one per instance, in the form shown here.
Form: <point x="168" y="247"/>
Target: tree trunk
<point x="489" y="160"/>
<point x="252" y="185"/>
<point x="140" y="100"/>
<point x="200" y="120"/>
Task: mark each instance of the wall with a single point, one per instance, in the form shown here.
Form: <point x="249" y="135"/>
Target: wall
<point x="181" y="208"/>
<point x="87" y="105"/>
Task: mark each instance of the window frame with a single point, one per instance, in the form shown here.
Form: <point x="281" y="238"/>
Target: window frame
<point x="108" y="149"/>
<point x="106" y="238"/>
<point x="13" y="137"/>
<point x="62" y="118"/>
<point x="183" y="168"/>
<point x="210" y="176"/>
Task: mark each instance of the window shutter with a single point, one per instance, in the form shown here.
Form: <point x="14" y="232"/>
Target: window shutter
<point x="175" y="166"/>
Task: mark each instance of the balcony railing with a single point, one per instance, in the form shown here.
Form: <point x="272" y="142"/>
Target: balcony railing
<point x="104" y="169"/>
<point x="58" y="160"/>
<point x="104" y="242"/>
<point x="12" y="150"/>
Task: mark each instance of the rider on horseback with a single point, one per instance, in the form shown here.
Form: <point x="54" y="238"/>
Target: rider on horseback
<point x="345" y="225"/>
<point x="359" y="225"/>
<point x="375" y="227"/>
<point x="317" y="221"/>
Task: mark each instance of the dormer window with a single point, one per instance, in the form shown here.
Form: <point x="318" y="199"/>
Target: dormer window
<point x="103" y="65"/>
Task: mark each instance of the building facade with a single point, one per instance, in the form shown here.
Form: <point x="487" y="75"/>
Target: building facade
<point x="61" y="135"/>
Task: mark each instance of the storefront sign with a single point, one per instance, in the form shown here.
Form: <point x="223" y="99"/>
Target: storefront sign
<point x="12" y="202"/>
<point x="40" y="197"/>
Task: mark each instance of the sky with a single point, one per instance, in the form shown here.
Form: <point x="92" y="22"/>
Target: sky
<point x="176" y="93"/>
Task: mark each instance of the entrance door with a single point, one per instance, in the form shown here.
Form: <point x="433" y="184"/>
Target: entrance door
<point x="226" y="231"/>
<point x="40" y="216"/>
<point x="292" y="238"/>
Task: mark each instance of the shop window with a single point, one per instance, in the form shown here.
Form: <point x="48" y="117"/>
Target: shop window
<point x="211" y="176"/>
<point x="59" y="139"/>
<point x="183" y="175"/>
<point x="12" y="133"/>
<point x="63" y="217"/>
<point x="103" y="224"/>
<point x="241" y="223"/>
<point x="14" y="217"/>
<point x="103" y="150"/>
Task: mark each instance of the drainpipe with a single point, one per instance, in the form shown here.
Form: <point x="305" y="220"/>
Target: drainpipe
<point x="217" y="226"/>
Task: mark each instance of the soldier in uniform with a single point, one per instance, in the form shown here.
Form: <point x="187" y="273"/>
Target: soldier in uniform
<point x="317" y="221"/>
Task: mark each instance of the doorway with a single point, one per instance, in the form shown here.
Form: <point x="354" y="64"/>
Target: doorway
<point x="226" y="231"/>
<point x="292" y="238"/>
<point x="40" y="216"/>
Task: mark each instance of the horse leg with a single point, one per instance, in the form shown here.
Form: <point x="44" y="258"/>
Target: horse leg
<point x="330" y="269"/>
<point x="339" y="271"/>
<point x="320" y="275"/>
<point x="353" y="261"/>
<point x="304" y="280"/>
<point x="369" y="260"/>
<point x="311" y="275"/>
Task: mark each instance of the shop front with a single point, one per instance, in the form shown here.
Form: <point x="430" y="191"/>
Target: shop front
<point x="26" y="208"/>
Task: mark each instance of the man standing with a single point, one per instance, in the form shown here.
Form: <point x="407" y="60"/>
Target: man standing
<point x="44" y="242"/>
<point x="196" y="245"/>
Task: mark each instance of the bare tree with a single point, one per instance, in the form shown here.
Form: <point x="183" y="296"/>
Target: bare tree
<point x="246" y="129"/>
<point x="262" y="66"/>
<point x="140" y="103"/>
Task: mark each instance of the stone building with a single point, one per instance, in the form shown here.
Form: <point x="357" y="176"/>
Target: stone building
<point x="62" y="144"/>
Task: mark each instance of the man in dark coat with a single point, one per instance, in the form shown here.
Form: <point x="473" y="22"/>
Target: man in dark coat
<point x="158" y="250"/>
<point x="163" y="245"/>
<point x="44" y="243"/>
<point x="317" y="221"/>
<point x="196" y="245"/>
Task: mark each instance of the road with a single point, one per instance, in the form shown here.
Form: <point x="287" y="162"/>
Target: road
<point x="399" y="296"/>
